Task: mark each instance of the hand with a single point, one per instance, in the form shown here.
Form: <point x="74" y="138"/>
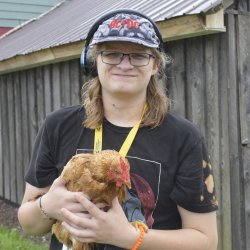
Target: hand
<point x="59" y="197"/>
<point x="111" y="227"/>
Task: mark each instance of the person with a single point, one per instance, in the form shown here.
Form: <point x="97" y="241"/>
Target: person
<point x="171" y="172"/>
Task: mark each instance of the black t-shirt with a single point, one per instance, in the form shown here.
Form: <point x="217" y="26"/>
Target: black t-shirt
<point x="169" y="164"/>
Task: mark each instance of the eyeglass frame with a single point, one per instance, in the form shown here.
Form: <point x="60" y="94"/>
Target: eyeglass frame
<point x="123" y="55"/>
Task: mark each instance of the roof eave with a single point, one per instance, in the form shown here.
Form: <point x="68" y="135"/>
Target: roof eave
<point x="171" y="29"/>
<point x="42" y="57"/>
<point x="192" y="25"/>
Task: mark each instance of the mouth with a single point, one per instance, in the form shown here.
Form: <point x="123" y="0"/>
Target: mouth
<point x="124" y="75"/>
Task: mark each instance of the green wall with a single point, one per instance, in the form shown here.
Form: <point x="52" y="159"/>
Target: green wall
<point x="15" y="12"/>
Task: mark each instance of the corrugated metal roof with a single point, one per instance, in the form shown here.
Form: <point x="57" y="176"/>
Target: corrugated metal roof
<point x="70" y="21"/>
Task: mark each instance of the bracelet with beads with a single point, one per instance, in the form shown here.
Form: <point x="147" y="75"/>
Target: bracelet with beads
<point x="140" y="239"/>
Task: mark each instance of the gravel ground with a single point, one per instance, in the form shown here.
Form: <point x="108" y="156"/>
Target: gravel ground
<point x="8" y="218"/>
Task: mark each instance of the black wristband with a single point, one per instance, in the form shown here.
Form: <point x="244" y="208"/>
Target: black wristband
<point x="43" y="212"/>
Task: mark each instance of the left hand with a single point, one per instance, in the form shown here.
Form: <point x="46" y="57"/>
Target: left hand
<point x="111" y="227"/>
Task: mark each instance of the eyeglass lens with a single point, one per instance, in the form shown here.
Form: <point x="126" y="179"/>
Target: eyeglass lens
<point x="135" y="59"/>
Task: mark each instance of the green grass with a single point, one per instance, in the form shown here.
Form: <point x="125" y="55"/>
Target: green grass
<point x="10" y="239"/>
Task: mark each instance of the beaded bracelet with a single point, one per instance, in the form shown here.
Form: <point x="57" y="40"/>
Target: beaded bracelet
<point x="140" y="239"/>
<point x="45" y="215"/>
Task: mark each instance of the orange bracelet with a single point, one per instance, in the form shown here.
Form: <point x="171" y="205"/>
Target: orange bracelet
<point x="140" y="239"/>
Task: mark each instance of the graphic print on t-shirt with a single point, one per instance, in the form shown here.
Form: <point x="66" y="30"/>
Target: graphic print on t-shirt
<point x="145" y="180"/>
<point x="66" y="248"/>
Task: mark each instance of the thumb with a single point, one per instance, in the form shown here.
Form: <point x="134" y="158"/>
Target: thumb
<point x="59" y="181"/>
<point x="116" y="204"/>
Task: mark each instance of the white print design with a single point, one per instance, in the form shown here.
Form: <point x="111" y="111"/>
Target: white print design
<point x="66" y="248"/>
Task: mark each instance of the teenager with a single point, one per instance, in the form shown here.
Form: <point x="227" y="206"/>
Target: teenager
<point x="170" y="169"/>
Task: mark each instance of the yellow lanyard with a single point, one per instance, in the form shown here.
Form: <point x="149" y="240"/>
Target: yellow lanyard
<point x="126" y="144"/>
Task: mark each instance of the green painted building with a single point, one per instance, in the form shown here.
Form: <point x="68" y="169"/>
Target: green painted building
<point x="16" y="12"/>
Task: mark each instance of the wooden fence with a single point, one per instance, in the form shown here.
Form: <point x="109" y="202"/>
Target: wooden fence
<point x="209" y="84"/>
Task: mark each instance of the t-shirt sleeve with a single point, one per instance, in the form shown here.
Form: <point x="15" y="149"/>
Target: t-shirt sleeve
<point x="194" y="187"/>
<point x="42" y="169"/>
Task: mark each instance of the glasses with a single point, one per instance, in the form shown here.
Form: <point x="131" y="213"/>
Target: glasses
<point x="135" y="59"/>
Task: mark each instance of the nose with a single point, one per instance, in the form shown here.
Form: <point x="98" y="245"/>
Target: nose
<point x="125" y="63"/>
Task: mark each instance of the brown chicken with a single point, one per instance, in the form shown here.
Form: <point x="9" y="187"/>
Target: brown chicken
<point x="101" y="176"/>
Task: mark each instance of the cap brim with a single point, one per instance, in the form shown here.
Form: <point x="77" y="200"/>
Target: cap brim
<point x="124" y="39"/>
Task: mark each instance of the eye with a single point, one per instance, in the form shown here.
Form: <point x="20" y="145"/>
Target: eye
<point x="139" y="56"/>
<point x="111" y="55"/>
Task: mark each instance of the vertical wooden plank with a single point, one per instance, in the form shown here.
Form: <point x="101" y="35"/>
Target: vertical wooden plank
<point x="225" y="225"/>
<point x="56" y="87"/>
<point x="40" y="96"/>
<point x="12" y="136"/>
<point x="211" y="96"/>
<point x="243" y="36"/>
<point x="5" y="138"/>
<point x="25" y="124"/>
<point x="246" y="176"/>
<point x="177" y="79"/>
<point x="65" y="84"/>
<point x="75" y="82"/>
<point x="234" y="138"/>
<point x="1" y="138"/>
<point x="47" y="89"/>
<point x="18" y="138"/>
<point x="244" y="76"/>
<point x="32" y="107"/>
<point x="195" y="82"/>
<point x="213" y="121"/>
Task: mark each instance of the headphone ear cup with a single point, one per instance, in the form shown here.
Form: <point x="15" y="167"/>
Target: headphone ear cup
<point x="88" y="67"/>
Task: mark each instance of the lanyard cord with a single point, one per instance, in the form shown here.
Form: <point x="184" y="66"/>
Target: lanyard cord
<point x="126" y="144"/>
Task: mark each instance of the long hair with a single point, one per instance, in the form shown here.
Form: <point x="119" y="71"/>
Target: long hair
<point x="157" y="100"/>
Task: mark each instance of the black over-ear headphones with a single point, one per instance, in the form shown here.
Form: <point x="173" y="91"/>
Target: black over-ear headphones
<point x="86" y="62"/>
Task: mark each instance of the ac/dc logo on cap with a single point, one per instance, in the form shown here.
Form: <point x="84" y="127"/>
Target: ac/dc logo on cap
<point x="125" y="23"/>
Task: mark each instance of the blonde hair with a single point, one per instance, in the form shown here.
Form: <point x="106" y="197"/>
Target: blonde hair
<point x="157" y="100"/>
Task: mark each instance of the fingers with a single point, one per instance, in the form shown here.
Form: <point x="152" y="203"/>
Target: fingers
<point x="85" y="215"/>
<point x="83" y="221"/>
<point x="115" y="202"/>
<point x="96" y="225"/>
<point x="80" y="234"/>
<point x="75" y="207"/>
<point x="90" y="207"/>
<point x="116" y="206"/>
<point x="103" y="206"/>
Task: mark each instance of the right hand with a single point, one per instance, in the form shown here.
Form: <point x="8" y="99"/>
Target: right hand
<point x="59" y="197"/>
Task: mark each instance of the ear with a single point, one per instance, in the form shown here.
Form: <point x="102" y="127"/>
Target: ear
<point x="156" y="67"/>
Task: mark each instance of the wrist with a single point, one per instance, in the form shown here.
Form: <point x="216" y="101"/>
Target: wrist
<point x="126" y="238"/>
<point x="42" y="209"/>
<point x="139" y="239"/>
<point x="134" y="237"/>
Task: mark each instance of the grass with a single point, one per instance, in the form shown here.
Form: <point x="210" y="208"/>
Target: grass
<point x="10" y="239"/>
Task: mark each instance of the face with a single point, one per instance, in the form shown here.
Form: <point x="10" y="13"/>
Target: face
<point x="125" y="79"/>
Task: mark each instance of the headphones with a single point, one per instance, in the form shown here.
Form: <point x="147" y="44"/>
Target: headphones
<point x="86" y="62"/>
